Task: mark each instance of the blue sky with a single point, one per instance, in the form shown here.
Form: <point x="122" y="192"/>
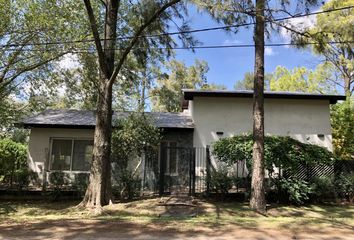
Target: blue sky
<point x="229" y="65"/>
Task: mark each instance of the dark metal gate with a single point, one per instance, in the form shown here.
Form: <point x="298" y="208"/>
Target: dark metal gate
<point x="177" y="170"/>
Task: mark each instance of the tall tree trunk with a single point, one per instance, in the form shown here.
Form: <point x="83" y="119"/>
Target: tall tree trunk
<point x="257" y="201"/>
<point x="98" y="192"/>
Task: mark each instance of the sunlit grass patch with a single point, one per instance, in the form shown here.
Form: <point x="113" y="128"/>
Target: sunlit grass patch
<point x="206" y="213"/>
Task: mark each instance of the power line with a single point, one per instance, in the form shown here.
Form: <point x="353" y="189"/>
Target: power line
<point x="191" y="47"/>
<point x="182" y="32"/>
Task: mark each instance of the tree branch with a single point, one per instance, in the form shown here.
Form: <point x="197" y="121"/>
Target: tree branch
<point x="96" y="36"/>
<point x="104" y="3"/>
<point x="136" y="37"/>
<point x="29" y="68"/>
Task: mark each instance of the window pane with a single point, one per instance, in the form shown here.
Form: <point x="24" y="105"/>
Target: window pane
<point x="82" y="155"/>
<point x="61" y="154"/>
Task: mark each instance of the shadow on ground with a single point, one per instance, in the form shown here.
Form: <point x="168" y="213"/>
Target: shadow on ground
<point x="167" y="218"/>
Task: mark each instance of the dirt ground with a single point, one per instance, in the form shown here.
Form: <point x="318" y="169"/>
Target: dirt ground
<point x="156" y="219"/>
<point x="96" y="229"/>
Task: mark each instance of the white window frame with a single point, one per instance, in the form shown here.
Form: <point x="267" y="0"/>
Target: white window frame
<point x="72" y="153"/>
<point x="167" y="172"/>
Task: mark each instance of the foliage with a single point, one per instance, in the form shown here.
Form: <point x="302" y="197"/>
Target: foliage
<point x="248" y="81"/>
<point x="344" y="186"/>
<point x="301" y="79"/>
<point x="32" y="72"/>
<point x="323" y="188"/>
<point x="57" y="181"/>
<point x="131" y="135"/>
<point x="13" y="157"/>
<point x="24" y="176"/>
<point x="298" y="191"/>
<point x="28" y="64"/>
<point x="81" y="182"/>
<point x="126" y="184"/>
<point x="167" y="95"/>
<point x="336" y="26"/>
<point x="220" y="181"/>
<point x="279" y="150"/>
<point x="342" y="120"/>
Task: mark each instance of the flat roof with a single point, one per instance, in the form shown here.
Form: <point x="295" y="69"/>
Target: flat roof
<point x="86" y="119"/>
<point x="189" y="94"/>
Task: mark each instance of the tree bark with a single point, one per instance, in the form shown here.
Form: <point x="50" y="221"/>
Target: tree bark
<point x="98" y="192"/>
<point x="347" y="89"/>
<point x="257" y="201"/>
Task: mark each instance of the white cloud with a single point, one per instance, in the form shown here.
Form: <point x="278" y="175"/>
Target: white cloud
<point x="268" y="51"/>
<point x="69" y="61"/>
<point x="298" y="24"/>
<point x="231" y="42"/>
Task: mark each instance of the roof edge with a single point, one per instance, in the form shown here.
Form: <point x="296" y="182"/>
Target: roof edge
<point x="189" y="94"/>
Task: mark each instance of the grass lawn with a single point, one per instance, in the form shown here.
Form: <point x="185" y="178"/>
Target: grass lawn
<point x="150" y="217"/>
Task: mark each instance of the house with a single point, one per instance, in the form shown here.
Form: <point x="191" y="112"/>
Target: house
<point x="61" y="140"/>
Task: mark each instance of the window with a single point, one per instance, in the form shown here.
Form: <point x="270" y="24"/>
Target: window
<point x="61" y="154"/>
<point x="71" y="154"/>
<point x="171" y="157"/>
<point x="82" y="155"/>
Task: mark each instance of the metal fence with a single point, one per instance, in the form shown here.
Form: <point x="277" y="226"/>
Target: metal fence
<point x="171" y="170"/>
<point x="310" y="172"/>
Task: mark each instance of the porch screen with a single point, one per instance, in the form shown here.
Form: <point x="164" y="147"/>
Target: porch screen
<point x="170" y="156"/>
<point x="173" y="158"/>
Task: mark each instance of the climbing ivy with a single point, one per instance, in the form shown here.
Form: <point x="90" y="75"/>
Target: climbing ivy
<point x="279" y="151"/>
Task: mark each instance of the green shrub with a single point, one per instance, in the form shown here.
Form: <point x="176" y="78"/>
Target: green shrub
<point x="242" y="182"/>
<point x="344" y="186"/>
<point x="279" y="151"/>
<point x="322" y="189"/>
<point x="57" y="181"/>
<point x="297" y="191"/>
<point x="131" y="136"/>
<point x="220" y="181"/>
<point x="24" y="177"/>
<point x="342" y="122"/>
<point x="13" y="158"/>
<point x="81" y="182"/>
<point x="126" y="186"/>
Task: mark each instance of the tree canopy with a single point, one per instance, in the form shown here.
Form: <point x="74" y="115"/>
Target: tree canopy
<point x="301" y="79"/>
<point x="247" y="82"/>
<point x="167" y="95"/>
<point x="337" y="26"/>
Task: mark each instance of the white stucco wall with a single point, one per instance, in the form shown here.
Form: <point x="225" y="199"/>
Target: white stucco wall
<point x="40" y="140"/>
<point x="300" y="119"/>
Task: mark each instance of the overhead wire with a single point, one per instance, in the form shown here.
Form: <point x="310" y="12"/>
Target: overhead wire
<point x="189" y="47"/>
<point x="177" y="32"/>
